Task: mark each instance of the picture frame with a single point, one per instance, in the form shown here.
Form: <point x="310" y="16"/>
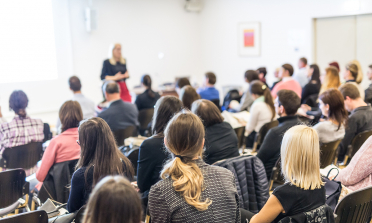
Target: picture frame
<point x="249" y="39"/>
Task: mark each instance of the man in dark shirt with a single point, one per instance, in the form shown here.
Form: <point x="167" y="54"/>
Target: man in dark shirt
<point x="360" y="118"/>
<point x="119" y="114"/>
<point x="368" y="91"/>
<point x="286" y="106"/>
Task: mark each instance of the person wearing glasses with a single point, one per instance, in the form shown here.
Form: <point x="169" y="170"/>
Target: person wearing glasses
<point x="62" y="147"/>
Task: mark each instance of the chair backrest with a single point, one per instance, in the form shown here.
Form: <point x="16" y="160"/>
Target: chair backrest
<point x="25" y="156"/>
<point x="276" y="175"/>
<point x="13" y="186"/>
<point x="240" y="134"/>
<point x="356" y="207"/>
<point x="217" y="103"/>
<point x="132" y="155"/>
<point x="358" y="142"/>
<point x="231" y="95"/>
<point x="250" y="179"/>
<point x="145" y="117"/>
<point x="322" y="214"/>
<point x="28" y="217"/>
<point x="328" y="153"/>
<point x="121" y="134"/>
<point x="262" y="133"/>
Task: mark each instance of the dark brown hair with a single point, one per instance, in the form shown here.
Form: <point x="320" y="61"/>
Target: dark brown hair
<point x="181" y="82"/>
<point x="113" y="200"/>
<point x="211" y="77"/>
<point x="164" y="110"/>
<point x="262" y="70"/>
<point x="146" y="80"/>
<point x="370" y="66"/>
<point x="315" y="76"/>
<point x="290" y="101"/>
<point x="207" y="111"/>
<point x="74" y="83"/>
<point x="350" y="90"/>
<point x="70" y="115"/>
<point x="188" y="95"/>
<point x="353" y="68"/>
<point x="289" y="68"/>
<point x="304" y="60"/>
<point x="18" y="102"/>
<point x="260" y="89"/>
<point x="251" y="75"/>
<point x="99" y="150"/>
<point x="335" y="100"/>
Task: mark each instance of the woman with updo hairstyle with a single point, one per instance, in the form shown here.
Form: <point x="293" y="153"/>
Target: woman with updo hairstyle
<point x="221" y="141"/>
<point x="148" y="98"/>
<point x="113" y="200"/>
<point x="261" y="112"/>
<point x="188" y="95"/>
<point x="22" y="129"/>
<point x="191" y="190"/>
<point x="351" y="75"/>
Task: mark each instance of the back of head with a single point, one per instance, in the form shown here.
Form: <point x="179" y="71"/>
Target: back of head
<point x="181" y="82"/>
<point x="113" y="200"/>
<point x="288" y="68"/>
<point x="74" y="83"/>
<point x="350" y="90"/>
<point x="360" y="75"/>
<point x="188" y="95"/>
<point x="98" y="149"/>
<point x="331" y="79"/>
<point x="315" y="76"/>
<point x="184" y="137"/>
<point x="207" y="111"/>
<point x="300" y="157"/>
<point x="18" y="102"/>
<point x="353" y="68"/>
<point x="165" y="108"/>
<point x="146" y="81"/>
<point x="251" y="75"/>
<point x="290" y="101"/>
<point x="112" y="88"/>
<point x="70" y="115"/>
<point x="303" y="60"/>
<point x="262" y="70"/>
<point x="260" y="89"/>
<point x="335" y="100"/>
<point x="211" y="78"/>
<point x="336" y="65"/>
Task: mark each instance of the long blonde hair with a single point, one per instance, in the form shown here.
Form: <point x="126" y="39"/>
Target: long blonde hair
<point x="184" y="137"/>
<point x="331" y="79"/>
<point x="359" y="78"/>
<point x="111" y="55"/>
<point x="300" y="157"/>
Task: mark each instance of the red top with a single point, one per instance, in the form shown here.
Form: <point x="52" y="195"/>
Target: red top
<point x="62" y="147"/>
<point x="287" y="84"/>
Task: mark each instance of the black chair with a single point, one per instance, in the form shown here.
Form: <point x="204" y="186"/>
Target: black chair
<point x="144" y="118"/>
<point x="328" y="153"/>
<point x="276" y="178"/>
<point x="132" y="155"/>
<point x="356" y="144"/>
<point x="25" y="156"/>
<point x="311" y="100"/>
<point x="122" y="134"/>
<point x="260" y="136"/>
<point x="322" y="214"/>
<point x="13" y="185"/>
<point x="231" y="95"/>
<point x="355" y="207"/>
<point x="217" y="103"/>
<point x="29" y="217"/>
<point x="240" y="134"/>
<point x="57" y="182"/>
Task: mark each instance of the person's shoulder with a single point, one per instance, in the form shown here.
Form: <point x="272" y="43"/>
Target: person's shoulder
<point x="161" y="185"/>
<point x="152" y="142"/>
<point x="225" y="173"/>
<point x="107" y="61"/>
<point x="79" y="173"/>
<point x="322" y="125"/>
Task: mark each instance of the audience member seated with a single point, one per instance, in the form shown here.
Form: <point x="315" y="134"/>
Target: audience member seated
<point x="99" y="157"/>
<point x="188" y="95"/>
<point x="301" y="76"/>
<point x="262" y="74"/>
<point x="331" y="103"/>
<point x="368" y="91"/>
<point x="182" y="82"/>
<point x="358" y="174"/>
<point x="22" y="129"/>
<point x="287" y="83"/>
<point x="261" y="112"/>
<point x="221" y="141"/>
<point x="304" y="190"/>
<point x="286" y="106"/>
<point x="152" y="155"/>
<point x="276" y="75"/>
<point x="246" y="101"/>
<point x="360" y="118"/>
<point x="313" y="87"/>
<point x="191" y="190"/>
<point x="87" y="105"/>
<point x="331" y="79"/>
<point x="113" y="200"/>
<point x="350" y="75"/>
<point x="148" y="98"/>
<point x="120" y="114"/>
<point x="63" y="147"/>
<point x="209" y="92"/>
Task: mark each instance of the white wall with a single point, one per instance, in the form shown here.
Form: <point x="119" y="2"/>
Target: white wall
<point x="220" y="18"/>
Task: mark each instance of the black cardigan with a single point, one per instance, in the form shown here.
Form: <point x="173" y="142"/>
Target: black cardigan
<point x="109" y="70"/>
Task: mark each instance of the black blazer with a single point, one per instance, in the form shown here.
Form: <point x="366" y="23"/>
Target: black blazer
<point x="309" y="89"/>
<point x="144" y="101"/>
<point x="110" y="70"/>
<point x="221" y="143"/>
<point x="120" y="115"/>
